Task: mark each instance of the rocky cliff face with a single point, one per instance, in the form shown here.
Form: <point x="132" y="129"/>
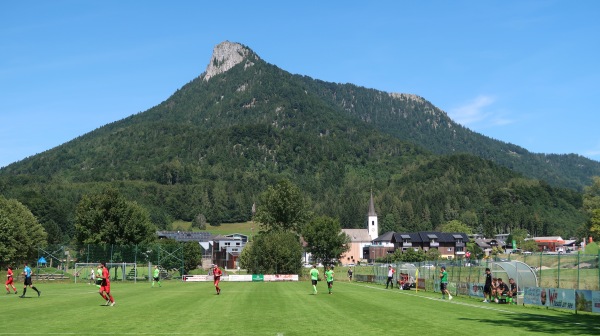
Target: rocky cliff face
<point x="225" y="56"/>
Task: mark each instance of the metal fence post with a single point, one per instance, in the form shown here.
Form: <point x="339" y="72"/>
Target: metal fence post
<point x="558" y="272"/>
<point x="578" y="267"/>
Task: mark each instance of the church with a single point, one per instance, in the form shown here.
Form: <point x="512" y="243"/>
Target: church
<point x="359" y="238"/>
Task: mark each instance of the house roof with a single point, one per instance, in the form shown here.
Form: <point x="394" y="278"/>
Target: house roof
<point x="554" y="239"/>
<point x="426" y="236"/>
<point x="185" y="236"/>
<point x="386" y="237"/>
<point x="358" y="235"/>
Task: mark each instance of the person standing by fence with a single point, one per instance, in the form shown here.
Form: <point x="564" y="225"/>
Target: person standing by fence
<point x="92" y="276"/>
<point x="390" y="277"/>
<point x="444" y="283"/>
<point x="487" y="288"/>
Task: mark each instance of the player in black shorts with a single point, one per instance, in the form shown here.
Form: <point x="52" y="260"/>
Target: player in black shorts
<point x="487" y="288"/>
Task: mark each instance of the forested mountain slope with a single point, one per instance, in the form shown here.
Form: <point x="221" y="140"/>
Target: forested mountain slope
<point x="222" y="138"/>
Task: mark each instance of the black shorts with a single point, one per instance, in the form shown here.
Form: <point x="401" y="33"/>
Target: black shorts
<point x="156" y="278"/>
<point x="28" y="281"/>
<point x="487" y="289"/>
<point x="329" y="283"/>
<point x="443" y="286"/>
<point x="314" y="282"/>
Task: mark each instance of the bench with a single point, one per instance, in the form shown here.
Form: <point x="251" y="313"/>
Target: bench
<point x="51" y="277"/>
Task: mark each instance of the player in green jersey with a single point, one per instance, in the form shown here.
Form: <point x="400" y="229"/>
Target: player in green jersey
<point x="314" y="277"/>
<point x="156" y="276"/>
<point x="329" y="279"/>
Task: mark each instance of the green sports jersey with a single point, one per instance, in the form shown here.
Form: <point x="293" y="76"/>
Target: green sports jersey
<point x="329" y="275"/>
<point x="156" y="272"/>
<point x="314" y="274"/>
<point x="444" y="276"/>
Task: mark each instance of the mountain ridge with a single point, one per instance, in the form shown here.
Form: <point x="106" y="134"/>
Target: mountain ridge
<point x="216" y="143"/>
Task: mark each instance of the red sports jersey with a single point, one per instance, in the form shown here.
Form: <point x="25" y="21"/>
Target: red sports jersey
<point x="217" y="273"/>
<point x="9" y="274"/>
<point x="105" y="276"/>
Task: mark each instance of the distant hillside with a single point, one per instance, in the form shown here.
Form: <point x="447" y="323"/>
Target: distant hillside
<point x="219" y="141"/>
<point x="414" y="119"/>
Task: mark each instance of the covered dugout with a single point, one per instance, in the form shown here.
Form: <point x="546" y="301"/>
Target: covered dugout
<point x="523" y="274"/>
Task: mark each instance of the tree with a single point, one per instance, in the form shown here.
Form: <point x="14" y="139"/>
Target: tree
<point x="518" y="235"/>
<point x="432" y="254"/>
<point x="108" y="218"/>
<point x="529" y="245"/>
<point x="20" y="232"/>
<point x="273" y="252"/>
<point x="282" y="208"/>
<point x="410" y="255"/>
<point x="199" y="222"/>
<point x="591" y="204"/>
<point x="192" y="256"/>
<point x="455" y="226"/>
<point x="325" y="239"/>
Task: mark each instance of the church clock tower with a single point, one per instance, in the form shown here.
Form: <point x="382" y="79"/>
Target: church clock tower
<point x="373" y="225"/>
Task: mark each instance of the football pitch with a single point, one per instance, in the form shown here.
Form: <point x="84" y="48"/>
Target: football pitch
<point x="268" y="308"/>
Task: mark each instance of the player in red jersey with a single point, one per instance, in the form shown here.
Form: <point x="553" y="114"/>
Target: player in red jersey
<point x="217" y="276"/>
<point x="105" y="286"/>
<point x="9" y="281"/>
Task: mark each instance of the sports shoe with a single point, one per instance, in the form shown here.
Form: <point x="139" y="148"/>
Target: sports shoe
<point x="39" y="293"/>
<point x="16" y="292"/>
<point x="485" y="301"/>
<point x="450" y="297"/>
<point x="112" y="304"/>
<point x="22" y="296"/>
<point x="496" y="300"/>
<point x="107" y="303"/>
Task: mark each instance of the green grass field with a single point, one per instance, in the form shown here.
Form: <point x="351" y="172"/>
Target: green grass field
<point x="244" y="308"/>
<point x="246" y="228"/>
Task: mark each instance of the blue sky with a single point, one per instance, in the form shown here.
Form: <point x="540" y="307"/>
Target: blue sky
<point x="524" y="72"/>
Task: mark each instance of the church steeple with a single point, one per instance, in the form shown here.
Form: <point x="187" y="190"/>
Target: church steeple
<point x="372" y="224"/>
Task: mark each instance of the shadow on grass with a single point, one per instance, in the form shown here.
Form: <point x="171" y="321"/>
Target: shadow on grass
<point x="561" y="323"/>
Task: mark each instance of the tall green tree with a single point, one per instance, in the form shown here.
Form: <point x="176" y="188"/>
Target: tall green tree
<point x="282" y="207"/>
<point x="591" y="204"/>
<point x="192" y="256"/>
<point x="455" y="226"/>
<point x="325" y="239"/>
<point x="273" y="252"/>
<point x="20" y="232"/>
<point x="108" y="218"/>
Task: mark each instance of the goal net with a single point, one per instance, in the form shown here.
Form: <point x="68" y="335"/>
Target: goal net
<point x="118" y="271"/>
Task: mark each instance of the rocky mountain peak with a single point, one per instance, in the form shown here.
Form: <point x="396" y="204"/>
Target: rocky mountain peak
<point x="225" y="56"/>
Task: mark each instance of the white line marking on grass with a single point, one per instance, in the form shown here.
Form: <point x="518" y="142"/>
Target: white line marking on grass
<point x="437" y="299"/>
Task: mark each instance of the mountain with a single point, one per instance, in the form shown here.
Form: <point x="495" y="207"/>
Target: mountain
<point x="220" y="140"/>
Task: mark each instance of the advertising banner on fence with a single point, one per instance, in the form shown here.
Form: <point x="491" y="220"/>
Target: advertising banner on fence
<point x="197" y="277"/>
<point x="475" y="289"/>
<point x="241" y="277"/>
<point x="281" y="277"/>
<point x="257" y="277"/>
<point x="596" y="301"/>
<point x="583" y="300"/>
<point x="561" y="298"/>
<point x="535" y="296"/>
